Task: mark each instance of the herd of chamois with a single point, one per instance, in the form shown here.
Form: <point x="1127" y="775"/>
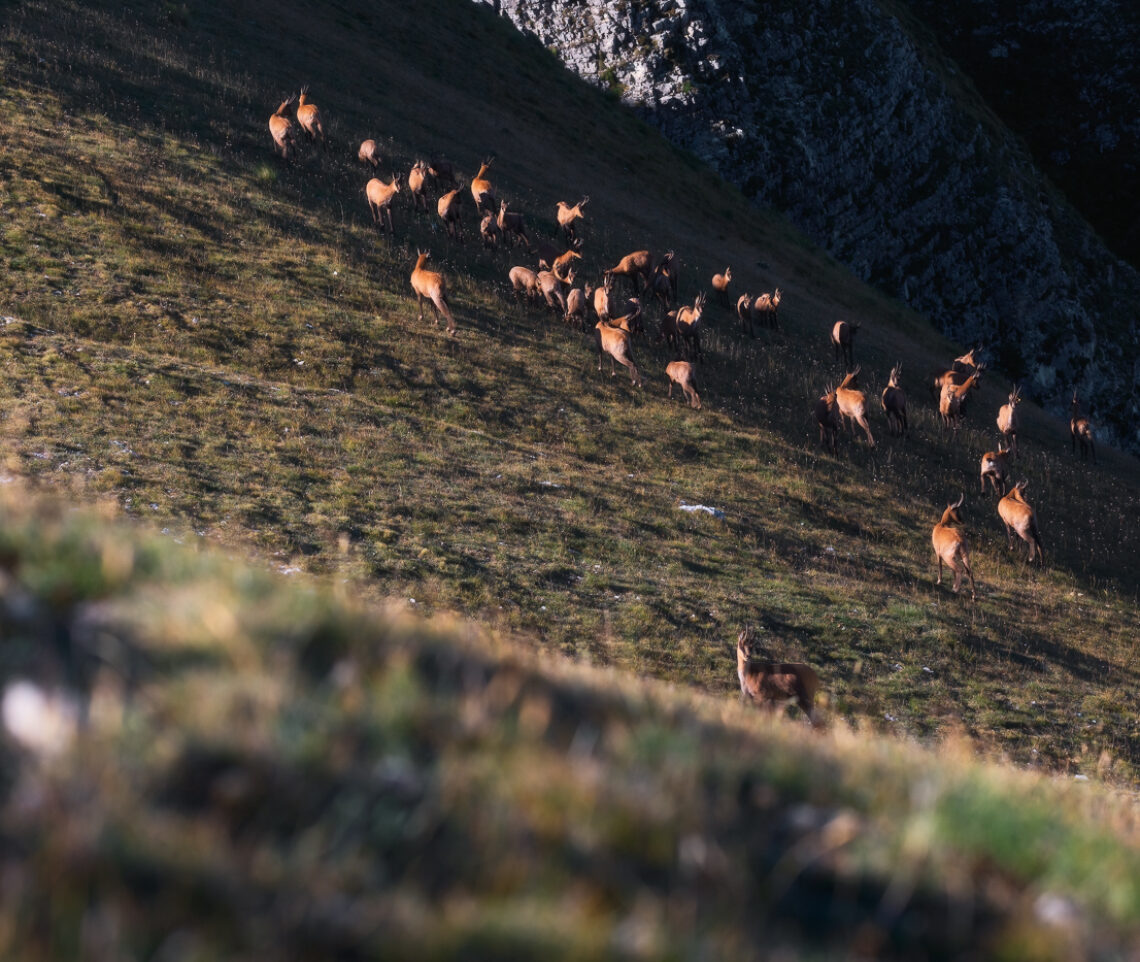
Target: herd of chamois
<point x="620" y="319"/>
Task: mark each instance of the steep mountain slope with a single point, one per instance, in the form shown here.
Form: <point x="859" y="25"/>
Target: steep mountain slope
<point x="844" y="117"/>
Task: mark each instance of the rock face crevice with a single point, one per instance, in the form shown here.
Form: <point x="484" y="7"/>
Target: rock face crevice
<point x="844" y="117"/>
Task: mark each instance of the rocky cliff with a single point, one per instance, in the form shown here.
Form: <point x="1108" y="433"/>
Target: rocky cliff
<point x="843" y="115"/>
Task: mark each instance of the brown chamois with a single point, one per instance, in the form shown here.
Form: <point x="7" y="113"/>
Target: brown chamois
<point x="283" y="131"/>
<point x="512" y="226"/>
<point x="369" y="153"/>
<point x="616" y="343"/>
<point x="770" y="685"/>
<point x="1008" y="421"/>
<point x="765" y="309"/>
<point x="950" y="546"/>
<point x="995" y="466"/>
<point x="630" y="321"/>
<point x="681" y="328"/>
<point x="843" y="337"/>
<point x="665" y="280"/>
<point x="418" y="178"/>
<point x="489" y="231"/>
<point x="720" y="282"/>
<point x="309" y="117"/>
<point x="1018" y="515"/>
<point x="380" y="196"/>
<point x="524" y="281"/>
<point x="894" y="403"/>
<point x="567" y="215"/>
<point x="827" y="416"/>
<point x="550" y="287"/>
<point x="449" y="207"/>
<point x="431" y="285"/>
<point x="951" y="403"/>
<point x="1081" y="430"/>
<point x="744" y="312"/>
<point x="960" y="370"/>
<point x="443" y="171"/>
<point x="683" y="374"/>
<point x="482" y="189"/>
<point x="602" y="297"/>
<point x="637" y="268"/>
<point x="577" y="303"/>
<point x="563" y="262"/>
<point x="852" y="405"/>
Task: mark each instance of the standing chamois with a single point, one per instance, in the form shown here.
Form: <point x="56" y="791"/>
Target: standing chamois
<point x="418" y="178"/>
<point x="482" y="190"/>
<point x="309" y="117"/>
<point x="431" y="286"/>
<point x="637" y="268"/>
<point x="1007" y="420"/>
<point x="769" y="685"/>
<point x="681" y="328"/>
<point x="616" y="343"/>
<point x="952" y="402"/>
<point x="843" y="338"/>
<point x="894" y="403"/>
<point x="950" y="546"/>
<point x="1080" y="429"/>
<point x="369" y="153"/>
<point x="1018" y="515"/>
<point x="765" y="309"/>
<point x="720" y="284"/>
<point x="567" y="215"/>
<point x="826" y="411"/>
<point x="684" y="376"/>
<point x="449" y="208"/>
<point x="852" y="405"/>
<point x="995" y="466"/>
<point x="380" y="197"/>
<point x="283" y="131"/>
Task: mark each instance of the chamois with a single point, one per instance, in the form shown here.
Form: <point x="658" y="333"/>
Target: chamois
<point x="431" y="285"/>
<point x="1080" y="429"/>
<point x="665" y="280"/>
<point x="744" y="312"/>
<point x="852" y="405"/>
<point x="995" y="466"/>
<point x="561" y="264"/>
<point x="615" y="342"/>
<point x="283" y="131"/>
<point x="827" y="416"/>
<point x="720" y="283"/>
<point x="683" y="375"/>
<point x="681" y="328"/>
<point x="511" y="224"/>
<point x="449" y="209"/>
<point x="482" y="190"/>
<point x="894" y="403"/>
<point x="577" y="302"/>
<point x="602" y="297"/>
<point x="309" y="117"/>
<point x="443" y="171"/>
<point x="630" y="321"/>
<point x="550" y="287"/>
<point x="417" y="185"/>
<point x="960" y="370"/>
<point x="843" y="337"/>
<point x="770" y="685"/>
<point x="1007" y="420"/>
<point x="489" y="231"/>
<point x="951" y="403"/>
<point x="567" y="215"/>
<point x="764" y="309"/>
<point x="524" y="281"/>
<point x="380" y="196"/>
<point x="1018" y="515"/>
<point x="950" y="546"/>
<point x="637" y="266"/>
<point x="369" y="153"/>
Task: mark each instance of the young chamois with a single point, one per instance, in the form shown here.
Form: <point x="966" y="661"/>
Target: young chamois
<point x="489" y="231"/>
<point x="765" y="309"/>
<point x="951" y="403"/>
<point x="665" y="281"/>
<point x="1018" y="515"/>
<point x="950" y="546"/>
<point x="683" y="374"/>
<point x="283" y="131"/>
<point x="567" y="215"/>
<point x="512" y="226"/>
<point x="482" y="190"/>
<point x="826" y="411"/>
<point x="1007" y="420"/>
<point x="577" y="303"/>
<point x="418" y="179"/>
<point x="681" y="328"/>
<point x="637" y="268"/>
<point x="524" y="281"/>
<point x="843" y="338"/>
<point x="431" y="285"/>
<point x="770" y="685"/>
<point x="1081" y="430"/>
<point x="369" y="153"/>
<point x="309" y="117"/>
<point x="852" y="405"/>
<point x="616" y="343"/>
<point x="380" y="196"/>
<point x="449" y="208"/>
<point x="995" y="466"/>
<point x="894" y="403"/>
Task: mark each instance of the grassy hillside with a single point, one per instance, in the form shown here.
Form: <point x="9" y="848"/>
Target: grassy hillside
<point x="221" y="344"/>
